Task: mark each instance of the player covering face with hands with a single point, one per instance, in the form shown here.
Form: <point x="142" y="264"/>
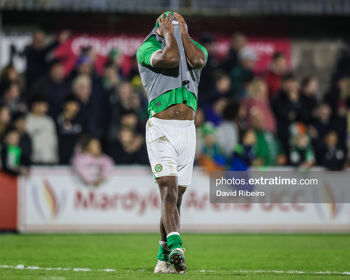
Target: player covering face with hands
<point x="170" y="64"/>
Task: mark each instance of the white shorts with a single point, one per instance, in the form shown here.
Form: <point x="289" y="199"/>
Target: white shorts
<point x="171" y="146"/>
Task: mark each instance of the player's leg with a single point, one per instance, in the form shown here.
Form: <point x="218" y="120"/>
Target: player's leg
<point x="187" y="147"/>
<point x="162" y="158"/>
<point x="164" y="250"/>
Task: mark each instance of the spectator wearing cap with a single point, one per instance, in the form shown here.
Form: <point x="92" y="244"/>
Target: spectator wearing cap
<point x="25" y="142"/>
<point x="53" y="87"/>
<point x="243" y="73"/>
<point x="41" y="129"/>
<point x="273" y="77"/>
<point x="69" y="128"/>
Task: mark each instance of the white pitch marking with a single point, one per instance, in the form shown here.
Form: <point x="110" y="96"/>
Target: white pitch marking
<point x="21" y="266"/>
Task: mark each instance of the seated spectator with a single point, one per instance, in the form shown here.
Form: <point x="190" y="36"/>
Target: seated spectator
<point x="211" y="158"/>
<point x="243" y="73"/>
<point x="69" y="129"/>
<point x="257" y="100"/>
<point x="244" y="154"/>
<point x="53" y="87"/>
<point x="11" y="154"/>
<point x="41" y="129"/>
<point x="11" y="97"/>
<point x="25" y="142"/>
<point x="333" y="155"/>
<point x="238" y="42"/>
<point x="90" y="164"/>
<point x="130" y="147"/>
<point x="301" y="152"/>
<point x="267" y="146"/>
<point x="227" y="132"/>
<point x="273" y="77"/>
<point x="4" y="118"/>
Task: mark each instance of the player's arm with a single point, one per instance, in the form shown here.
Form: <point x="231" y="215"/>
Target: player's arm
<point x="169" y="56"/>
<point x="196" y="57"/>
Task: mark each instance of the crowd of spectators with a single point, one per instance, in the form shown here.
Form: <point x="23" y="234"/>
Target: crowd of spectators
<point x="244" y="118"/>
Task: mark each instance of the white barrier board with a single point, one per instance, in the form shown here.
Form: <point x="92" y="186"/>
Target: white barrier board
<point x="54" y="199"/>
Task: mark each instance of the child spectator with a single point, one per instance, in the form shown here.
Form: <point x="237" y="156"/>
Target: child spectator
<point x="25" y="142"/>
<point x="333" y="156"/>
<point x="130" y="147"/>
<point x="11" y="154"/>
<point x="301" y="152"/>
<point x="69" y="129"/>
<point x="267" y="146"/>
<point x="274" y="75"/>
<point x="244" y="154"/>
<point x="91" y="165"/>
<point x="211" y="158"/>
<point x="41" y="129"/>
<point x="257" y="99"/>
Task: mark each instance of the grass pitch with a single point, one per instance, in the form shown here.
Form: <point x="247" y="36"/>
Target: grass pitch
<point x="208" y="256"/>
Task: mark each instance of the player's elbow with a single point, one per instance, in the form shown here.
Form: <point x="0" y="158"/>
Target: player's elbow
<point x="198" y="62"/>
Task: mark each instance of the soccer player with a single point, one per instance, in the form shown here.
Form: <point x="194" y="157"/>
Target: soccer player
<point x="170" y="64"/>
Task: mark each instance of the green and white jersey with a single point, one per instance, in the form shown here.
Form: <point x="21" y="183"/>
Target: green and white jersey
<point x="172" y="97"/>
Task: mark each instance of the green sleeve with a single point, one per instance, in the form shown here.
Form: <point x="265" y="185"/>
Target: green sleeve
<point x="147" y="49"/>
<point x="203" y="49"/>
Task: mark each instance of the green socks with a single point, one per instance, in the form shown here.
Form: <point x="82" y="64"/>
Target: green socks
<point x="163" y="251"/>
<point x="174" y="240"/>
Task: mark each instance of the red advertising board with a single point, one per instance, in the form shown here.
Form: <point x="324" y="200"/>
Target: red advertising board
<point x="8" y="202"/>
<point x="128" y="45"/>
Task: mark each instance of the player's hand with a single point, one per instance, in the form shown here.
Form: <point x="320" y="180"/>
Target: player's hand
<point x="182" y="22"/>
<point x="165" y="25"/>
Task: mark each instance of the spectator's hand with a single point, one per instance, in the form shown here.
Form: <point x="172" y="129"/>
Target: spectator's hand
<point x="182" y="22"/>
<point x="165" y="25"/>
<point x="64" y="36"/>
